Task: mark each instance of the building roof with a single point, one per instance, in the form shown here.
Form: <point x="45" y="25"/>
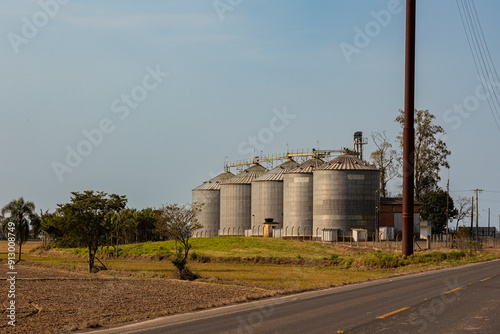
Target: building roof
<point x="347" y="162"/>
<point x="276" y="174"/>
<point x="214" y="183"/>
<point x="307" y="166"/>
<point x="247" y="176"/>
<point x="395" y="201"/>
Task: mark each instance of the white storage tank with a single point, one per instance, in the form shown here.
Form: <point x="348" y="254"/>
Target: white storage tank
<point x="344" y="195"/>
<point x="209" y="194"/>
<point x="235" y="201"/>
<point x="267" y="197"/>
<point x="298" y="199"/>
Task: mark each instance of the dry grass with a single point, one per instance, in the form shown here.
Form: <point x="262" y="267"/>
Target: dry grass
<point x="60" y="281"/>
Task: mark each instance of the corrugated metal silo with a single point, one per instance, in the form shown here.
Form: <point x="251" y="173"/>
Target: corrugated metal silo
<point x="209" y="194"/>
<point x="235" y="201"/>
<point x="267" y="196"/>
<point x="344" y="195"/>
<point x="298" y="198"/>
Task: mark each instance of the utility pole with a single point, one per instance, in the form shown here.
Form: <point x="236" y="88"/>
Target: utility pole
<point x="477" y="216"/>
<point x="472" y="219"/>
<point x="409" y="131"/>
<point x="377" y="216"/>
<point x="489" y="235"/>
<point x="447" y="218"/>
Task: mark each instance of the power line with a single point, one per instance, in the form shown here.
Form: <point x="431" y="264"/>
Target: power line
<point x="480" y="54"/>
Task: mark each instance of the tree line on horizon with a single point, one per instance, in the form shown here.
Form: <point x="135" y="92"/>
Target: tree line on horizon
<point x="97" y="219"/>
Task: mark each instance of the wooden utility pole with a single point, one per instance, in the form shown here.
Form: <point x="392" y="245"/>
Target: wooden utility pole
<point x="489" y="222"/>
<point x="409" y="131"/>
<point x="477" y="216"/>
<point x="472" y="219"/>
<point x="377" y="216"/>
<point x="447" y="203"/>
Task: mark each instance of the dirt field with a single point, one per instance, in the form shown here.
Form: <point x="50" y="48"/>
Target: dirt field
<point x="54" y="301"/>
<point x="55" y="295"/>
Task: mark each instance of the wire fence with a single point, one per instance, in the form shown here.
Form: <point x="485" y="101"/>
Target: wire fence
<point x="355" y="240"/>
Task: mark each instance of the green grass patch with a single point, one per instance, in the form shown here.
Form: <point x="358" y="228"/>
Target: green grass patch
<point x="226" y="247"/>
<point x="272" y="264"/>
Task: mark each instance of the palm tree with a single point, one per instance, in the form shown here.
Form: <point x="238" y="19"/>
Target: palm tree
<point x="21" y="213"/>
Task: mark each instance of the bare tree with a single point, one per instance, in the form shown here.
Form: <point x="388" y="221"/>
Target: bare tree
<point x="464" y="209"/>
<point x="177" y="222"/>
<point x="384" y="158"/>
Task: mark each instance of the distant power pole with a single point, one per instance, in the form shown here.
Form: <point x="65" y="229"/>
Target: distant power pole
<point x="447" y="218"/>
<point x="472" y="219"/>
<point x="489" y="234"/>
<point x="477" y="216"/>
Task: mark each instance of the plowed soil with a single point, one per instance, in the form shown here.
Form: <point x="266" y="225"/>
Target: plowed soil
<point x="57" y="301"/>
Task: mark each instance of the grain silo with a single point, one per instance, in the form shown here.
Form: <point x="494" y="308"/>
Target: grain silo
<point x="344" y="195"/>
<point x="267" y="197"/>
<point x="235" y="201"/>
<point x="209" y="194"/>
<point x="298" y="198"/>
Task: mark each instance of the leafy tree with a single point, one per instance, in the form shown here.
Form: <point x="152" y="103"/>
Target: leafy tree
<point x="83" y="223"/>
<point x="434" y="209"/>
<point x="178" y="222"/>
<point x="20" y="215"/>
<point x="123" y="225"/>
<point x="146" y="219"/>
<point x="384" y="158"/>
<point x="46" y="230"/>
<point x="431" y="152"/>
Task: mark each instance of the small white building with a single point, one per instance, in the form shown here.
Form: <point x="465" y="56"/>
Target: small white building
<point x="425" y="229"/>
<point x="329" y="234"/>
<point x="386" y="233"/>
<point x="359" y="234"/>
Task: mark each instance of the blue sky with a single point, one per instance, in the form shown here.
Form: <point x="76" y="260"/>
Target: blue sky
<point x="219" y="81"/>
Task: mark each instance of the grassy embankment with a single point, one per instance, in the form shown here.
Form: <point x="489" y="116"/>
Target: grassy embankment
<point x="285" y="265"/>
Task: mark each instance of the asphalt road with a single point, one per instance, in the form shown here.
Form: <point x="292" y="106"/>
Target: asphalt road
<point x="464" y="299"/>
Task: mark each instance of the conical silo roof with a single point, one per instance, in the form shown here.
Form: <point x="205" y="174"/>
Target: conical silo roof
<point x="347" y="162"/>
<point x="214" y="183"/>
<point x="276" y="174"/>
<point x="306" y="167"/>
<point x="247" y="176"/>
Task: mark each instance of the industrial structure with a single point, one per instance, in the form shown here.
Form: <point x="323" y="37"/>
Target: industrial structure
<point x="310" y="194"/>
<point x="344" y="195"/>
<point x="235" y="201"/>
<point x="209" y="194"/>
<point x="267" y="197"/>
<point x="298" y="198"/>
